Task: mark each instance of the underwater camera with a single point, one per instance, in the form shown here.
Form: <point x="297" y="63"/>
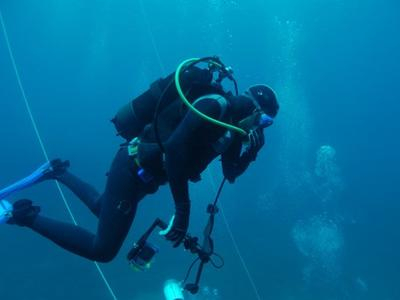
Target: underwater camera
<point x="143" y="252"/>
<point x="140" y="256"/>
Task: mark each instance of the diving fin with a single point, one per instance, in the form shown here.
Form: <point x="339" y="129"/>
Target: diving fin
<point x="5" y="211"/>
<point x="49" y="170"/>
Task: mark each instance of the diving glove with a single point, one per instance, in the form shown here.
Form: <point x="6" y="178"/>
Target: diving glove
<point x="256" y="142"/>
<point x="178" y="226"/>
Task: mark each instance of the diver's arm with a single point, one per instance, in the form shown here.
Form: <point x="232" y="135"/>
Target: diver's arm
<point x="175" y="164"/>
<point x="179" y="149"/>
<point x="234" y="162"/>
<point x="178" y="182"/>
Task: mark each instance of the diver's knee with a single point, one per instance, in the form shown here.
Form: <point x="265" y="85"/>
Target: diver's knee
<point x="105" y="255"/>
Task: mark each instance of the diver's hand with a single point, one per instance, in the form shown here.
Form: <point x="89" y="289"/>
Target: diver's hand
<point x="256" y="142"/>
<point x="178" y="227"/>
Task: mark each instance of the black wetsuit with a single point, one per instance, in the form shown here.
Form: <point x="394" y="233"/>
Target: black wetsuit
<point x="188" y="151"/>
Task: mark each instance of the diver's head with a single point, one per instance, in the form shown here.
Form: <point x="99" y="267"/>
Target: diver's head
<point x="258" y="107"/>
<point x="265" y="97"/>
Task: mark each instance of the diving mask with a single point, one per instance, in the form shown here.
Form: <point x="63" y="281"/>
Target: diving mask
<point x="256" y="120"/>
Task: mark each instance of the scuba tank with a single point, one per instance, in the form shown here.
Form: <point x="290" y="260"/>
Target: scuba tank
<point x="171" y="97"/>
<point x="131" y="119"/>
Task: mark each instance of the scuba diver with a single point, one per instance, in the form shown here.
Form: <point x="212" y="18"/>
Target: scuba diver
<point x="173" y="132"/>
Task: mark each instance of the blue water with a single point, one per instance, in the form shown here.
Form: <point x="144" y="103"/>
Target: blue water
<point x="317" y="215"/>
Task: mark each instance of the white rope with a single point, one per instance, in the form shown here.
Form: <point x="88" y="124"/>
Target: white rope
<point x="243" y="262"/>
<point x="153" y="40"/>
<point x="235" y="244"/>
<point x="42" y="146"/>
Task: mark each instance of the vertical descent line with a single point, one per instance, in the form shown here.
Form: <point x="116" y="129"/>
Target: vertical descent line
<point x="235" y="244"/>
<point x="152" y="38"/>
<point x="42" y="146"/>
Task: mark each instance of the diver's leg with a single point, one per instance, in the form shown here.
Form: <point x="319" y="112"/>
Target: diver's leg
<point x="119" y="202"/>
<point x="57" y="169"/>
<point x="84" y="191"/>
<point x="114" y="225"/>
